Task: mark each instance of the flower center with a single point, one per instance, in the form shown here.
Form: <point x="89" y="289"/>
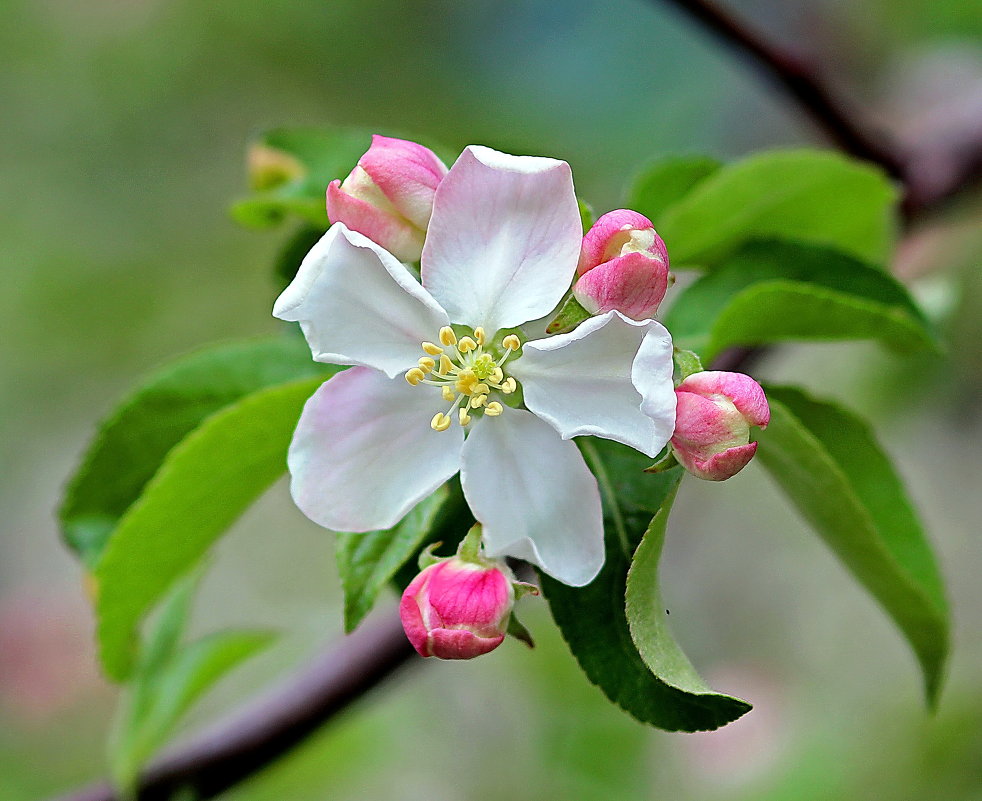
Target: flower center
<point x="467" y="371"/>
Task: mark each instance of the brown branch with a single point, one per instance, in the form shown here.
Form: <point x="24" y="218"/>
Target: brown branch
<point x="249" y="740"/>
<point x="262" y="732"/>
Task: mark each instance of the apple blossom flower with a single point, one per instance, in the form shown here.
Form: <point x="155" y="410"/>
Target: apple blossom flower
<point x="713" y="418"/>
<point x="458" y="609"/>
<point x="438" y="365"/>
<point x="623" y="265"/>
<point x="388" y="196"/>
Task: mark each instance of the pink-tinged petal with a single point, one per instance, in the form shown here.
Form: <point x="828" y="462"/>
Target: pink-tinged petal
<point x="357" y="304"/>
<point x="460" y="644"/>
<point x="745" y="393"/>
<point x="363" y="453"/>
<point x="469" y="594"/>
<point x="412" y="617"/>
<point x="386" y="228"/>
<point x="602" y="243"/>
<point x="534" y="496"/>
<point x="503" y="241"/>
<point x="707" y="425"/>
<point x="407" y="174"/>
<point x="633" y="284"/>
<point x="580" y="383"/>
<point x="719" y="466"/>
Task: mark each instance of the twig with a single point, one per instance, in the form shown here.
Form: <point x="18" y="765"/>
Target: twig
<point x="247" y="742"/>
<point x="255" y="736"/>
<point x="930" y="175"/>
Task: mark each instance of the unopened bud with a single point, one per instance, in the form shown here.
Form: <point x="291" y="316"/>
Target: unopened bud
<point x="713" y="416"/>
<point x="623" y="266"/>
<point x="457" y="609"/>
<point x="388" y="196"/>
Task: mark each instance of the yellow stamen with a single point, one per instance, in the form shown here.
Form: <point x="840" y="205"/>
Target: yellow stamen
<point x="445" y="364"/>
<point x="466" y="345"/>
<point x="447" y="336"/>
<point x="478" y="401"/>
<point x="494" y="409"/>
<point x="481" y="389"/>
<point x="509" y="385"/>
<point x="433" y="350"/>
<point x="440" y="422"/>
<point x="464" y="417"/>
<point x="415" y="375"/>
<point x="479" y="335"/>
<point x="426" y="364"/>
<point x="511" y="342"/>
<point x="448" y="394"/>
<point x="497" y="374"/>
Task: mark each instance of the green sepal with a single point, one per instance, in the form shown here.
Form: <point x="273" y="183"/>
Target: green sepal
<point x="687" y="363"/>
<point x="517" y="630"/>
<point x="570" y="315"/>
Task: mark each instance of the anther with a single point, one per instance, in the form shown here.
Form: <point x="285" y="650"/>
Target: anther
<point x="445" y="364"/>
<point x="447" y="336"/>
<point x="415" y="375"/>
<point x="426" y="364"/>
<point x="493" y="409"/>
<point x="440" y="422"/>
<point x="448" y="394"/>
<point x="479" y="335"/>
<point x="511" y="342"/>
<point x="509" y="385"/>
<point x="497" y="374"/>
<point x="466" y="345"/>
<point x="478" y="401"/>
<point x="481" y="389"/>
<point x="433" y="350"/>
<point x="463" y="416"/>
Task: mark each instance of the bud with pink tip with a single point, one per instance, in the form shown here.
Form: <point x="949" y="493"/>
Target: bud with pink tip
<point x="713" y="416"/>
<point x="388" y="196"/>
<point x="458" y="609"/>
<point x="623" y="266"/>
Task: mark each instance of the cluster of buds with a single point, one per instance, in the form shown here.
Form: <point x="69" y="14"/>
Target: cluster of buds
<point x="713" y="416"/>
<point x="388" y="196"/>
<point x="623" y="266"/>
<point x="460" y="607"/>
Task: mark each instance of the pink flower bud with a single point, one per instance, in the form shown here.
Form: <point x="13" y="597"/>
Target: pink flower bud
<point x="623" y="266"/>
<point x="712" y="423"/>
<point x="388" y="197"/>
<point x="457" y="609"/>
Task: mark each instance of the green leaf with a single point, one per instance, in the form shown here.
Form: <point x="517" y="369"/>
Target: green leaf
<point x="833" y="470"/>
<point x="159" y="698"/>
<point x="368" y="562"/>
<point x="203" y="485"/>
<point x="134" y="440"/>
<point x="592" y="619"/>
<point x="772" y="291"/>
<point x="664" y="183"/>
<point x="814" y="196"/>
<point x="649" y="625"/>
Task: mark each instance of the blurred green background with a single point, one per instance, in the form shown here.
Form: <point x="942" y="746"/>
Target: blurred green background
<point x="125" y="124"/>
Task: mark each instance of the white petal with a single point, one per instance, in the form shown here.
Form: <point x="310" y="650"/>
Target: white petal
<point x="535" y="496"/>
<point x="364" y="454"/>
<point x="581" y="382"/>
<point x="652" y="376"/>
<point x="358" y="304"/>
<point x="504" y="238"/>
